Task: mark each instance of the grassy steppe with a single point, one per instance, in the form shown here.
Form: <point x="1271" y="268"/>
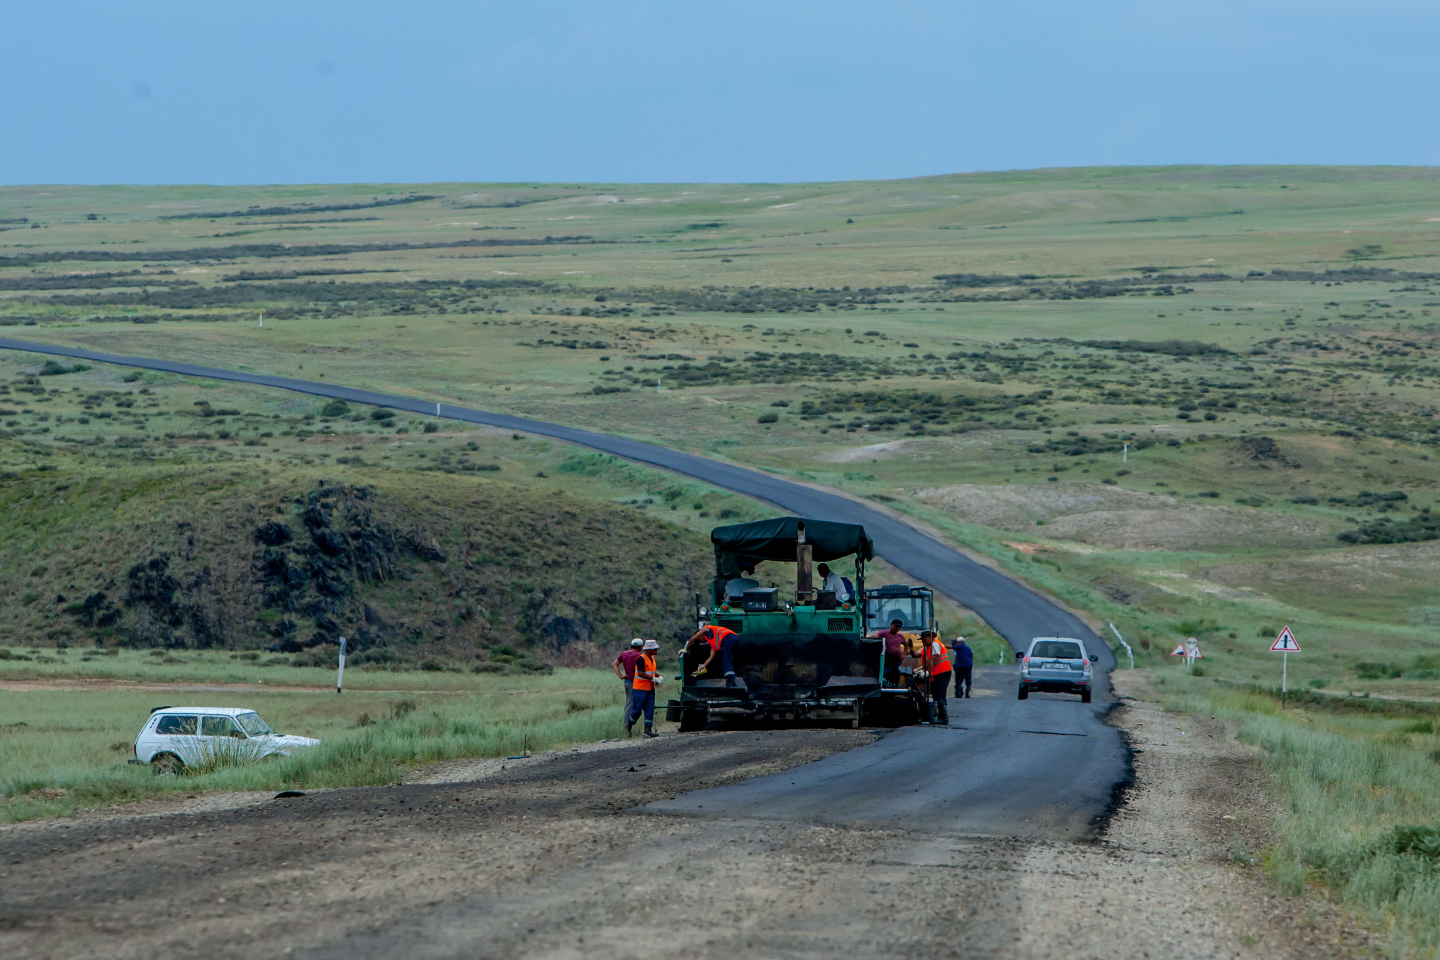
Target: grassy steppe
<point x="974" y="352"/>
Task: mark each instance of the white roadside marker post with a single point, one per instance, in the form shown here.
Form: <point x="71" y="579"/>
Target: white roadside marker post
<point x="1129" y="652"/>
<point x="340" y="675"/>
<point x="262" y="319"/>
<point x="1124" y="458"/>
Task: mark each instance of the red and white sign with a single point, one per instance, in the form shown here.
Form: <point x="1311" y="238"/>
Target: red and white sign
<point x="1179" y="650"/>
<point x="1285" y="643"/>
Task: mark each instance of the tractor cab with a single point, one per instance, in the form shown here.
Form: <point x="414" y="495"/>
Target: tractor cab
<point x="914" y="607"/>
<point x="801" y="654"/>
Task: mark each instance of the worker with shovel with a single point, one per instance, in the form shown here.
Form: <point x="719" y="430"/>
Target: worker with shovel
<point x="642" y="698"/>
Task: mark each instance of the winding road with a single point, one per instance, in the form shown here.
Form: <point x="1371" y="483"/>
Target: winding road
<point x="1045" y="767"/>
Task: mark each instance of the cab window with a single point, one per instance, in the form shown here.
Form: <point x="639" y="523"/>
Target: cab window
<point x="219" y="727"/>
<point x="174" y="726"/>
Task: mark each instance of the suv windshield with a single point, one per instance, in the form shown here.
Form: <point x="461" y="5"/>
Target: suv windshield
<point x="253" y="725"/>
<point x="1057" y="650"/>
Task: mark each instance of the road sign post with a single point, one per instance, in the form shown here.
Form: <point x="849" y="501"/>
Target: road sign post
<point x="1284" y="645"/>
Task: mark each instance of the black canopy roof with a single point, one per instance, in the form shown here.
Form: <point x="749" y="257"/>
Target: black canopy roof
<point x="740" y="546"/>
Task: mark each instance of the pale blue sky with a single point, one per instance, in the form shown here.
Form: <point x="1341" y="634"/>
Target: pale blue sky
<point x="312" y="91"/>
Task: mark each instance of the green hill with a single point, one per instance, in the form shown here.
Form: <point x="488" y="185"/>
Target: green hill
<point x="486" y="575"/>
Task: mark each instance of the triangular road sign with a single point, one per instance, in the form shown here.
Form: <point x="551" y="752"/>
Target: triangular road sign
<point x="1179" y="650"/>
<point x="1285" y="643"/>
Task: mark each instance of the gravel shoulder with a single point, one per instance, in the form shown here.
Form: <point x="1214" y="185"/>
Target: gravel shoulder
<point x="548" y="858"/>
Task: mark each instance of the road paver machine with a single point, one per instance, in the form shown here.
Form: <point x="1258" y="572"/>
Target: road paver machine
<point x="806" y="657"/>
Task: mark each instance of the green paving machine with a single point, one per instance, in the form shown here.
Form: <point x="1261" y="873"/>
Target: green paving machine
<point x="803" y="657"/>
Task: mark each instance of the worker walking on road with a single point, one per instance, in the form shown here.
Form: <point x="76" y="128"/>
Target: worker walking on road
<point x="964" y="666"/>
<point x="642" y="699"/>
<point x="937" y="662"/>
<point x="624" y="667"/>
<point x="721" y="640"/>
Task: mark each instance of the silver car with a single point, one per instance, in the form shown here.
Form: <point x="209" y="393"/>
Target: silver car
<point x="1056" y="665"/>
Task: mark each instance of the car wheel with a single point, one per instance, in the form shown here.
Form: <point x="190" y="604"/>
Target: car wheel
<point x="1084" y="696"/>
<point x="167" y="763"/>
<point x="1024" y="693"/>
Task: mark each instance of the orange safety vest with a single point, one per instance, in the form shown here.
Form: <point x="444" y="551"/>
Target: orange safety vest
<point x="644" y="669"/>
<point x="938" y="664"/>
<point x="716" y="635"/>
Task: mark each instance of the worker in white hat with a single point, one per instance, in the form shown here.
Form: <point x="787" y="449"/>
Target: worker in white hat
<point x="647" y="678"/>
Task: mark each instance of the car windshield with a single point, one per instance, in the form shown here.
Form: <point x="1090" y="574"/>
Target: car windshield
<point x="1057" y="650"/>
<point x="253" y="725"/>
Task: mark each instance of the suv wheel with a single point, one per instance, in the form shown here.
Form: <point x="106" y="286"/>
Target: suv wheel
<point x="1024" y="693"/>
<point x="1084" y="696"/>
<point x="167" y="763"/>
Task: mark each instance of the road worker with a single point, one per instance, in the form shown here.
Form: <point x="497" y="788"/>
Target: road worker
<point x="833" y="582"/>
<point x="964" y="664"/>
<point x="896" y="646"/>
<point x="937" y="665"/>
<point x="721" y="640"/>
<point x="642" y="699"/>
<point x="624" y="667"/>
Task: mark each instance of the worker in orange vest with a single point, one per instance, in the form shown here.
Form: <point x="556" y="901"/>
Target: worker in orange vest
<point x="721" y="640"/>
<point x="937" y="663"/>
<point x="642" y="699"/>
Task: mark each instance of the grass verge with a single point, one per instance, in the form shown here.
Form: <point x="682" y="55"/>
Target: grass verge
<point x="65" y="751"/>
<point x="1360" y="784"/>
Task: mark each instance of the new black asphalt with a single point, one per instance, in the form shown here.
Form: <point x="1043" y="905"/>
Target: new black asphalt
<point x="1014" y="764"/>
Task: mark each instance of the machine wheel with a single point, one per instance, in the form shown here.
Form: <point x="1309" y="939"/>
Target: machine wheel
<point x="1084" y="696"/>
<point x="693" y="719"/>
<point x="1024" y="693"/>
<point x="167" y="763"/>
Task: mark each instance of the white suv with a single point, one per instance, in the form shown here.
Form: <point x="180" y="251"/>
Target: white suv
<point x="1056" y="665"/>
<point x="178" y="737"/>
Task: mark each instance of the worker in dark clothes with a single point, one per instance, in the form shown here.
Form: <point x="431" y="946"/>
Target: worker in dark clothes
<point x="896" y="646"/>
<point x="964" y="664"/>
<point x="642" y="699"/>
<point x="722" y="641"/>
<point x="624" y="667"/>
<point x="937" y="663"/>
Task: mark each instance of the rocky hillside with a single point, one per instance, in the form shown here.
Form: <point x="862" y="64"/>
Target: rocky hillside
<point x="436" y="568"/>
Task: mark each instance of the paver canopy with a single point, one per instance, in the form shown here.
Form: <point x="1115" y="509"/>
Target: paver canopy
<point x="742" y="545"/>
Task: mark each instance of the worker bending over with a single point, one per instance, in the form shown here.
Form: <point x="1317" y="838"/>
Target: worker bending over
<point x="722" y="641"/>
<point x="642" y="699"/>
<point x="937" y="663"/>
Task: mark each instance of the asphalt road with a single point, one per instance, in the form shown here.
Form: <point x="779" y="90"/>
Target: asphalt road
<point x="1038" y="768"/>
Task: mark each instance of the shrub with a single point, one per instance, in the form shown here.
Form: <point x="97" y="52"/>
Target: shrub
<point x="384" y="413"/>
<point x="335" y="408"/>
<point x="767" y="418"/>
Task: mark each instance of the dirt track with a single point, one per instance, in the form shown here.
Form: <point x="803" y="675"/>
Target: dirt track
<point x="549" y="859"/>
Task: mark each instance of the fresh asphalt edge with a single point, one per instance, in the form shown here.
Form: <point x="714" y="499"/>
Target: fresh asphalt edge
<point x="1121" y="789"/>
<point x="1014" y="610"/>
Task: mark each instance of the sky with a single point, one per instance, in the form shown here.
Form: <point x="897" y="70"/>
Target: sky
<point x="691" y="91"/>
